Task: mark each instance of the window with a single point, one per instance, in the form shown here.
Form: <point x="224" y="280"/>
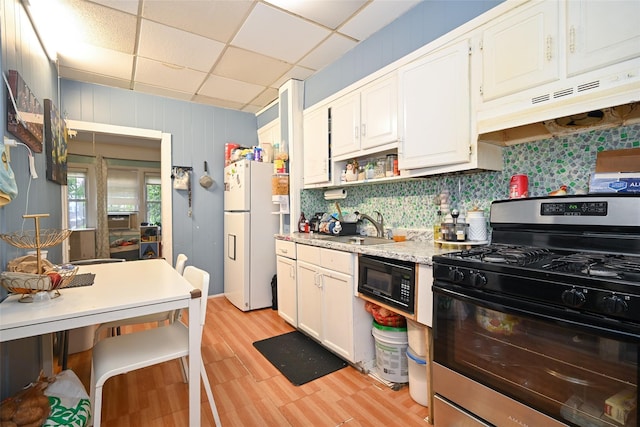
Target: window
<point x="153" y="199"/>
<point x="122" y="190"/>
<point x="77" y="199"/>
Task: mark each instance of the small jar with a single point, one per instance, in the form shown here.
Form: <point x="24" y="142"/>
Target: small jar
<point x="391" y="165"/>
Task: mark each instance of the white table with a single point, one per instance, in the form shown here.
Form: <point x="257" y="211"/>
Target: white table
<point x="120" y="290"/>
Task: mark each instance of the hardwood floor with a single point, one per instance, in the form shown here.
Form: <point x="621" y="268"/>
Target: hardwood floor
<point x="247" y="389"/>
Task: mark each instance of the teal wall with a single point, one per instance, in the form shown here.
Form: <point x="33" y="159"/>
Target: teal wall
<point x="548" y="163"/>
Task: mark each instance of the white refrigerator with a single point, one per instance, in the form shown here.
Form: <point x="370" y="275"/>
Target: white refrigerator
<point x="249" y="229"/>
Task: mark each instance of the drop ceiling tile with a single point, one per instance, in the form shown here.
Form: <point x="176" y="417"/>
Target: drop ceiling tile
<point x="250" y="67"/>
<point x="330" y="50"/>
<point x="266" y="97"/>
<point x="217" y="20"/>
<point x="160" y="91"/>
<point x="297" y="73"/>
<point x="375" y="16"/>
<point x="329" y="14"/>
<point x="233" y="90"/>
<point x="101" y="26"/>
<point x="167" y="44"/>
<point x="84" y="76"/>
<point x="169" y="76"/>
<point x="275" y="33"/>
<point x="222" y="103"/>
<point x="97" y="60"/>
<point x="251" y="109"/>
<point x="129" y="6"/>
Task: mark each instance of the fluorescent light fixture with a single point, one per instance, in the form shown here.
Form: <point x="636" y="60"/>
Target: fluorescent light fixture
<point x="56" y="26"/>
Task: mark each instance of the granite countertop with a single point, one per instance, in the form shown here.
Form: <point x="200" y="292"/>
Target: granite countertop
<point x="410" y="250"/>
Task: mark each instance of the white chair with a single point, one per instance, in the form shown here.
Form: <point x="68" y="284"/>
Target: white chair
<point x="160" y="318"/>
<point x="181" y="262"/>
<point x="124" y="353"/>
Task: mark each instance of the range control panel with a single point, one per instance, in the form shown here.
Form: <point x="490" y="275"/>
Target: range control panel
<point x="574" y="209"/>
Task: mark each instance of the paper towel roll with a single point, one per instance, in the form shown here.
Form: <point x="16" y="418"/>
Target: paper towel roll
<point x="338" y="193"/>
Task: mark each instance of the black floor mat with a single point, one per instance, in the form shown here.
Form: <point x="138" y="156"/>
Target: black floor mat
<point x="298" y="357"/>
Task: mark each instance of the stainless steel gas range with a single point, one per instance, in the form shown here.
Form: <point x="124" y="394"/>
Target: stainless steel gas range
<point x="542" y="327"/>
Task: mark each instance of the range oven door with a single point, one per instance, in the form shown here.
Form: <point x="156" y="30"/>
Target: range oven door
<point x="510" y="362"/>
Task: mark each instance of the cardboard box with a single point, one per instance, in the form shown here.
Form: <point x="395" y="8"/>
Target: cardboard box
<point x="618" y="161"/>
<point x="619" y="406"/>
<point x="615" y="183"/>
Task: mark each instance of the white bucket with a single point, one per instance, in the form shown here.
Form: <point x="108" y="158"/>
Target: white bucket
<point x="417" y="377"/>
<point x="391" y="348"/>
<point x="417" y="338"/>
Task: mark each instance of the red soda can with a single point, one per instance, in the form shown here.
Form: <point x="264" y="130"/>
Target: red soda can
<point x="519" y="186"/>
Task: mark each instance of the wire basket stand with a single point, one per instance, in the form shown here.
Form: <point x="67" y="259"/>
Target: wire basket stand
<point x="37" y="239"/>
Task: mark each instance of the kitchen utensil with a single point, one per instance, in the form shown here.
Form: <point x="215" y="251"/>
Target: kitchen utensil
<point x="340" y="217"/>
<point x="205" y="180"/>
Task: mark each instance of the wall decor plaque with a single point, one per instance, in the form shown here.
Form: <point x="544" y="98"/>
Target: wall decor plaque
<point x="25" y="118"/>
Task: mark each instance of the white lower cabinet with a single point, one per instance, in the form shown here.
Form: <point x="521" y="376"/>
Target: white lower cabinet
<point x="287" y="284"/>
<point x="328" y="309"/>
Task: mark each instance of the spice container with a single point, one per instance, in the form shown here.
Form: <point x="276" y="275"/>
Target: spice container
<point x="391" y="165"/>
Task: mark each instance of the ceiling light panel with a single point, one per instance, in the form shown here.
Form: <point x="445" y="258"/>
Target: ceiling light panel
<point x="217" y="20"/>
<point x="167" y="44"/>
<point x="278" y="34"/>
<point x="330" y="14"/>
<point x="98" y="60"/>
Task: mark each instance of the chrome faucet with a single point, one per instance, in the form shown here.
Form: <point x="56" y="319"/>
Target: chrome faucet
<point x="378" y="224"/>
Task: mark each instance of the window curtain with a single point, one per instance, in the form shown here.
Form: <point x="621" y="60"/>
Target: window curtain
<point x="102" y="231"/>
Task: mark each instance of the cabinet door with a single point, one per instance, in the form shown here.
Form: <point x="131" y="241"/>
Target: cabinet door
<point x="345" y="125"/>
<point x="287" y="290"/>
<point x="379" y="113"/>
<point x="435" y="105"/>
<point x="521" y="51"/>
<point x="338" y="302"/>
<point x="316" y="147"/>
<point x="310" y="299"/>
<point x="591" y="43"/>
<point x="270" y="133"/>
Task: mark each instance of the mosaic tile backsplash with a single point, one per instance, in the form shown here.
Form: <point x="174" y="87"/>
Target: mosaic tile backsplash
<point x="548" y="163"/>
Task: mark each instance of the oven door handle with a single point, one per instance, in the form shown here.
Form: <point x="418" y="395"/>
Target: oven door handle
<point x="599" y="325"/>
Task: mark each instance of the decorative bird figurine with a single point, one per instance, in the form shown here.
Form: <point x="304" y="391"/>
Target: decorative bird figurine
<point x="560" y="191"/>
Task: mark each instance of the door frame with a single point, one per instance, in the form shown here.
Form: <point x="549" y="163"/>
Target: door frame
<point x="164" y="139"/>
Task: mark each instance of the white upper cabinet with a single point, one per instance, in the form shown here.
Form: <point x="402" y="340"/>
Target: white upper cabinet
<point x="365" y="118"/>
<point x="435" y="109"/>
<point x="316" y="146"/>
<point x="345" y="125"/>
<point x="379" y="112"/>
<point x="521" y="50"/>
<point x="601" y="33"/>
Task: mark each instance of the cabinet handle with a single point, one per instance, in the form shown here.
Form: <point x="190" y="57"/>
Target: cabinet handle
<point x="364" y="130"/>
<point x="356" y="131"/>
<point x="572" y="39"/>
<point x="292" y="272"/>
<point x="549" y="40"/>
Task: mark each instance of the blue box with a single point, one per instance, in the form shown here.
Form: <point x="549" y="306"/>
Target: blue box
<point x="615" y="183"/>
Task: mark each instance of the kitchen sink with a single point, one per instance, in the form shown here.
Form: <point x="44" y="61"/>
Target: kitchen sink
<point x="357" y="240"/>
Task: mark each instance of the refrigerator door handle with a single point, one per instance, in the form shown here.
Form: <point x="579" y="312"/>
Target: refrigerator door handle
<point x="231" y="246"/>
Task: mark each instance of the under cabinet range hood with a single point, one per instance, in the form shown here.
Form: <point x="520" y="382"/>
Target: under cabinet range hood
<point x="605" y="118"/>
<point x="596" y="100"/>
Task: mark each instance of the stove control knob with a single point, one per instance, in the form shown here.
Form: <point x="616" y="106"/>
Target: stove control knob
<point x="573" y="297"/>
<point x="478" y="280"/>
<point x="456" y="276"/>
<point x="614" y="304"/>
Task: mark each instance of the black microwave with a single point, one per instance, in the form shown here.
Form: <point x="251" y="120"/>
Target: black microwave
<point x="389" y="281"/>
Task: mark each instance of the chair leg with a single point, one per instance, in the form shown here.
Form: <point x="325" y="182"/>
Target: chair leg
<point x="95" y="397"/>
<point x="207" y="388"/>
<point x="184" y="368"/>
